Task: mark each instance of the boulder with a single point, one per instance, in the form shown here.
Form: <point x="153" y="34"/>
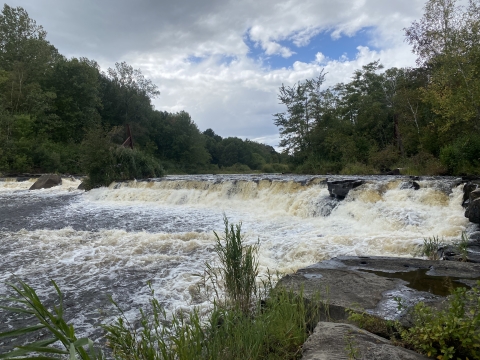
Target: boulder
<point x="475" y="194"/>
<point x="467" y="189"/>
<point x="475" y="236"/>
<point x="340" y="188"/>
<point x="344" y="341"/>
<point x="81" y="186"/>
<point x="410" y="185"/>
<point x="46" y="181"/>
<point x="473" y="211"/>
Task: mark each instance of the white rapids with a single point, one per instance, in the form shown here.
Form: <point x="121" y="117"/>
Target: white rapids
<point x="114" y="240"/>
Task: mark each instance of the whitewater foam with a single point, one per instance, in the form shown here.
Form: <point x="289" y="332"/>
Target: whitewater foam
<point x="113" y="240"/>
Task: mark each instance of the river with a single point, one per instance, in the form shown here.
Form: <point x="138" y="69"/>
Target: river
<point x="112" y="241"/>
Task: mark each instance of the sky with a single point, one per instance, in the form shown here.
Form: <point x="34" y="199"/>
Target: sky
<point x="223" y="61"/>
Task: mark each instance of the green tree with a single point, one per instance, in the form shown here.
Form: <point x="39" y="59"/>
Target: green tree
<point x="447" y="41"/>
<point x="75" y="107"/>
<point x="297" y="122"/>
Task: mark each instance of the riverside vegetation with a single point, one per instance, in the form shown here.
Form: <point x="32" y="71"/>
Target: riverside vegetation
<point x="424" y="119"/>
<point x="53" y="109"/>
<point x="452" y="332"/>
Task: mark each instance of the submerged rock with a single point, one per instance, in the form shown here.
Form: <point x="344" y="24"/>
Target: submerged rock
<point x="46" y="182"/>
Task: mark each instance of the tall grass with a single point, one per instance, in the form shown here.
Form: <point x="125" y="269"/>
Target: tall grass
<point x="238" y="270"/>
<point x="431" y="248"/>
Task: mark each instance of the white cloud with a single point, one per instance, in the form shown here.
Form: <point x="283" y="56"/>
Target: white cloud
<point x="196" y="53"/>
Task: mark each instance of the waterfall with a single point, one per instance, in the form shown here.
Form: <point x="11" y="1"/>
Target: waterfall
<point x="113" y="240"/>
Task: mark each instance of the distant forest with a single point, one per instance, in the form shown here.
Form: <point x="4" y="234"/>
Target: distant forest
<point x="67" y="116"/>
<point x="425" y="120"/>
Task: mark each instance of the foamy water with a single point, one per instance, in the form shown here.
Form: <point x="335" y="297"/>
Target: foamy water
<point x="113" y="240"/>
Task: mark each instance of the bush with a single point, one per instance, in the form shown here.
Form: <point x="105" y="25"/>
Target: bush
<point x="275" y="168"/>
<point x="423" y="163"/>
<point x="385" y="159"/>
<point x="238" y="270"/>
<point x="462" y="156"/>
<point x="358" y="169"/>
<point x="105" y="162"/>
<point x="450" y="333"/>
<point x="431" y="247"/>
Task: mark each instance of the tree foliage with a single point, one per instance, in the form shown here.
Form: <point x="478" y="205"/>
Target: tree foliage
<point x="426" y="119"/>
<point x="67" y="115"/>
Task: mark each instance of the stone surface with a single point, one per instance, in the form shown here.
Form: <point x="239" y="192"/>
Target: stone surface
<point x="340" y="188"/>
<point x="410" y="185"/>
<point x="81" y="186"/>
<point x="475" y="194"/>
<point x="475" y="235"/>
<point x="347" y="282"/>
<point x="46" y="181"/>
<point x="473" y="211"/>
<point x="331" y="341"/>
<point x="467" y="189"/>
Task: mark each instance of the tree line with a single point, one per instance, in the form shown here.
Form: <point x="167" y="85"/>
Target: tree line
<point x="68" y="116"/>
<point x="424" y="119"/>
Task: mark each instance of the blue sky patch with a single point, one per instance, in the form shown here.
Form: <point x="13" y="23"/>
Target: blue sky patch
<point x="323" y="42"/>
<point x="195" y="59"/>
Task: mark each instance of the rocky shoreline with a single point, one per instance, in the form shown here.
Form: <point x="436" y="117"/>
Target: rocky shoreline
<point x="375" y="285"/>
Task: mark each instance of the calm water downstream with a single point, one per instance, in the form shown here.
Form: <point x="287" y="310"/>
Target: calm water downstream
<point x="113" y="240"/>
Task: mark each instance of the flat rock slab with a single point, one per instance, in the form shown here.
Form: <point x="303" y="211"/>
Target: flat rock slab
<point x="46" y="182"/>
<point x="376" y="283"/>
<point x="332" y="341"/>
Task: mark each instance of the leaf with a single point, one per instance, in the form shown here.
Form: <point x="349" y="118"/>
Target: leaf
<point x="43" y="349"/>
<point x="81" y="342"/>
<point x="72" y="352"/>
<point x="21" y="331"/>
<point x="17" y="310"/>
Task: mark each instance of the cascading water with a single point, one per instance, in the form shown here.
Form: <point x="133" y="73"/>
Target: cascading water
<point x="114" y="240"/>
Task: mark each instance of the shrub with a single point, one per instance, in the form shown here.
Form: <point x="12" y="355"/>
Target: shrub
<point x="450" y="333"/>
<point x="275" y="168"/>
<point x="384" y="159"/>
<point x="105" y="162"/>
<point x="462" y="155"/>
<point x="422" y="163"/>
<point x="373" y="324"/>
<point x="358" y="169"/>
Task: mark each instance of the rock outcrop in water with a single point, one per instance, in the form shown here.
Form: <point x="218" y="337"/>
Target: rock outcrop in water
<point x="471" y="201"/>
<point x="46" y="182"/>
<point x="340" y="188"/>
